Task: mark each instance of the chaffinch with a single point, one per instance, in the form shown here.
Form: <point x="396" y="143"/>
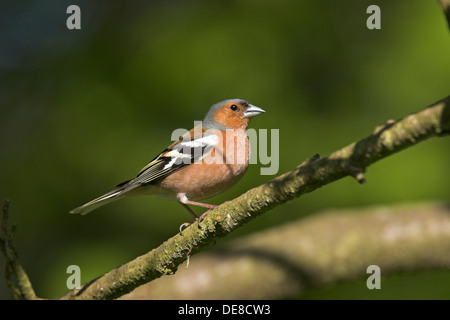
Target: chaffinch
<point x="205" y="161"/>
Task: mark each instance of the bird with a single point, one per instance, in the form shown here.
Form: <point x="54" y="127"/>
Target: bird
<point x="205" y="161"/>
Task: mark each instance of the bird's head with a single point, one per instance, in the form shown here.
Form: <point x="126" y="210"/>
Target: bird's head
<point x="230" y="114"/>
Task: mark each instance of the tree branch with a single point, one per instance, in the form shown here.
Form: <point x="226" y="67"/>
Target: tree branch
<point x="16" y="277"/>
<point x="445" y="5"/>
<point x="352" y="160"/>
<point x="323" y="248"/>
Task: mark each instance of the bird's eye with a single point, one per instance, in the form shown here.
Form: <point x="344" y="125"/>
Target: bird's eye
<point x="234" y="107"/>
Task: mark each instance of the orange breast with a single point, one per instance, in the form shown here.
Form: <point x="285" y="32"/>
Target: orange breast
<point x="219" y="170"/>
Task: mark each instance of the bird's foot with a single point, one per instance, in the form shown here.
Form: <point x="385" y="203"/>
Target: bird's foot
<point x="197" y="219"/>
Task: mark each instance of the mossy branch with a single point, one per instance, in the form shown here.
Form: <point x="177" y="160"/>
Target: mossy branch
<point x="314" y="173"/>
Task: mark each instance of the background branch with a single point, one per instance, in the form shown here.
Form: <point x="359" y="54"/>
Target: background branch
<point x="445" y="5"/>
<point x="351" y="160"/>
<point x="315" y="251"/>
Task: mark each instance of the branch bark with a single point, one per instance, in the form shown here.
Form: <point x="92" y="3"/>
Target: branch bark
<point x="316" y="172"/>
<point x="16" y="277"/>
<point x="322" y="249"/>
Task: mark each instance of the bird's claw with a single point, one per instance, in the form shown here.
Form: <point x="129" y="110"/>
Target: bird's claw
<point x="187" y="224"/>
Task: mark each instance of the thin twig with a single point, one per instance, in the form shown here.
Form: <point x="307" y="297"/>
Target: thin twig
<point x="16" y="277"/>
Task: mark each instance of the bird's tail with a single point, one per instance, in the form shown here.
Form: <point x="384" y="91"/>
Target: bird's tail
<point x="100" y="201"/>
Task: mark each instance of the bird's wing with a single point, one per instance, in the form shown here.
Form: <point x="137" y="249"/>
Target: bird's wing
<point x="190" y="148"/>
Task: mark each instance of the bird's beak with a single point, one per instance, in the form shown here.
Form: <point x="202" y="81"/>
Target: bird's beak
<point x="253" y="111"/>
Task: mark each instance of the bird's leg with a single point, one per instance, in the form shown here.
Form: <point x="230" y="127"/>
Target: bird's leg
<point x="200" y="204"/>
<point x="187" y="224"/>
<point x="184" y="202"/>
<point x="190" y="211"/>
<point x="204" y="205"/>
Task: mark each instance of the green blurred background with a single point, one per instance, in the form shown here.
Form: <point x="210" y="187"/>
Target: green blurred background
<point x="82" y="110"/>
